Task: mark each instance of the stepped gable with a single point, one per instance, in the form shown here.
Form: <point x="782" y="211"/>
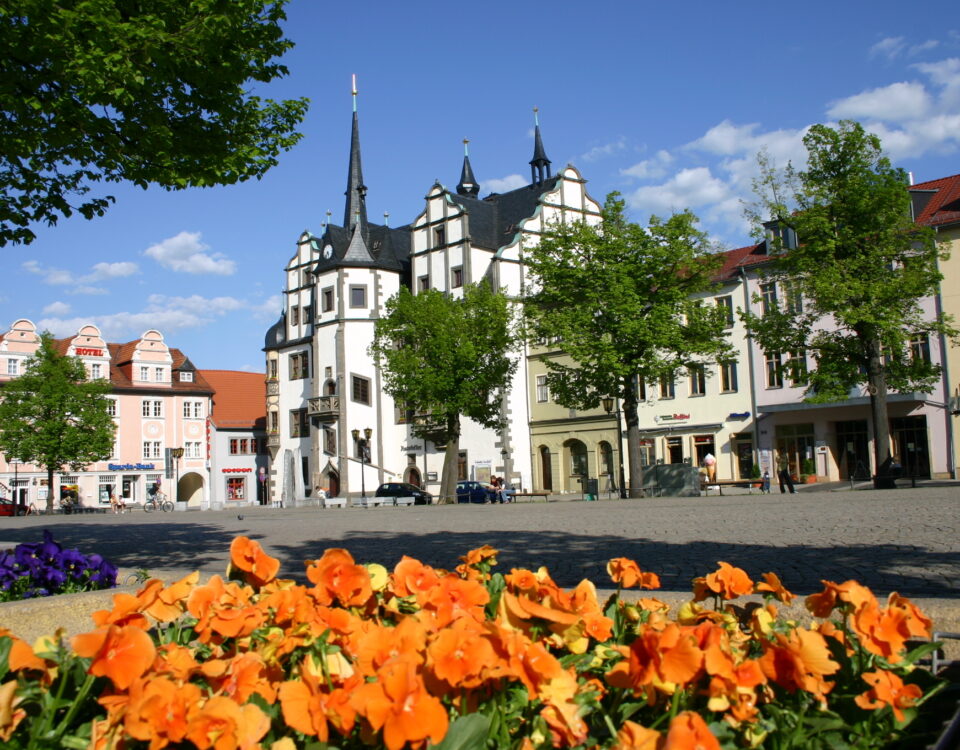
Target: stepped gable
<point x="239" y="399"/>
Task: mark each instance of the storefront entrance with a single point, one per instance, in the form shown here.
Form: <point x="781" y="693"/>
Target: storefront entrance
<point x="910" y="446"/>
<point x="743" y="450"/>
<point x="795" y="442"/>
<point x="852" y="452"/>
<point x="546" y="468"/>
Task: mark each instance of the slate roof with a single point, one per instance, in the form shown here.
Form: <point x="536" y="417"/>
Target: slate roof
<point x="937" y="202"/>
<point x="387" y="247"/>
<point x="495" y="219"/>
<point x="239" y="399"/>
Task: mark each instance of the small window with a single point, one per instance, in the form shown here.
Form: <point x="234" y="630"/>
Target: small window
<point x="667" y="387"/>
<point x="457" y="277"/>
<point x="186" y="377"/>
<point x="299" y="365"/>
<point x="358" y="296"/>
<point x="294" y="316"/>
<point x="768" y="297"/>
<point x="307" y="313"/>
<point x="13" y="367"/>
<point x="698" y="380"/>
<point x="112" y="407"/>
<point x="774" y="370"/>
<point x="543" y="390"/>
<point x="423" y="283"/>
<point x="159" y="375"/>
<point x="920" y="348"/>
<point x="796" y="367"/>
<point x="299" y="423"/>
<point x="144" y="374"/>
<point x="726" y="305"/>
<point x="234" y="447"/>
<point x="96" y="371"/>
<point x="439" y="237"/>
<point x="360" y="391"/>
<point x="728" y="377"/>
<point x="329" y="441"/>
<point x="327" y="300"/>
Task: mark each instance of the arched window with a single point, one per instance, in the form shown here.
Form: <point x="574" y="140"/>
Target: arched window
<point x="606" y="458"/>
<point x="578" y="458"/>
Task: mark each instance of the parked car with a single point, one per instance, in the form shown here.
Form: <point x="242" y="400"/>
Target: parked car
<point x="9" y="508"/>
<point x="475" y="492"/>
<point x="404" y="489"/>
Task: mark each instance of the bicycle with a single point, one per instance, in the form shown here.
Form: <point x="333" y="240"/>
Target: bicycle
<point x="158" y="502"/>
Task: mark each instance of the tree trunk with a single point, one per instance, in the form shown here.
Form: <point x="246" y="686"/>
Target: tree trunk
<point x="49" y="489"/>
<point x="448" y="477"/>
<point x="877" y="388"/>
<point x="635" y="481"/>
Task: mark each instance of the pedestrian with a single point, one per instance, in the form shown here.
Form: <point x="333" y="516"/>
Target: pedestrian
<point x="765" y="488"/>
<point x="783" y="476"/>
<point x="114" y="503"/>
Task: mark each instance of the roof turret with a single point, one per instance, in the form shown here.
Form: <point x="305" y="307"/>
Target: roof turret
<point x="468" y="183"/>
<point x="355" y="210"/>
<point x="539" y="164"/>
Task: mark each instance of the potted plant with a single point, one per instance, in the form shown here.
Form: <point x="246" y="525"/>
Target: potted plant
<point x="809" y="473"/>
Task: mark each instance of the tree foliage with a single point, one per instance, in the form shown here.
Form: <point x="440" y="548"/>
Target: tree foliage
<point x="152" y="92"/>
<point x="52" y="416"/>
<point x="620" y="299"/>
<point x="860" y="270"/>
<point x="443" y="358"/>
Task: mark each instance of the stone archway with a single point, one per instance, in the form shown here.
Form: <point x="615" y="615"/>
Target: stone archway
<point x="575" y="465"/>
<point x="412" y="476"/>
<point x="190" y="488"/>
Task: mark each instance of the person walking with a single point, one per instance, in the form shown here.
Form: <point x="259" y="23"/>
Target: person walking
<point x="783" y="476"/>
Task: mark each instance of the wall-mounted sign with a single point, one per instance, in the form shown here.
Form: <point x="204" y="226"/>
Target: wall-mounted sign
<point x="130" y="467"/>
<point x="673" y="417"/>
<point x="235" y="471"/>
<point x="84" y="351"/>
<point x="739" y="415"/>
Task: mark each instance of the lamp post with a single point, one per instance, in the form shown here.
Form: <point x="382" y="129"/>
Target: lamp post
<point x="176" y="454"/>
<point x="608" y="403"/>
<point x="364" y="444"/>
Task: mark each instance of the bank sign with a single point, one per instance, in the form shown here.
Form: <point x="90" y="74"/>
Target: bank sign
<point x="130" y="467"/>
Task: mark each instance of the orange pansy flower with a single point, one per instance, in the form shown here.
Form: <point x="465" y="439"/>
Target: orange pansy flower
<point x="158" y="710"/>
<point x="398" y="703"/>
<point x="626" y="573"/>
<point x="633" y="736"/>
<point x="800" y="661"/>
<point x="10" y="714"/>
<point x="460" y="655"/>
<point x="887" y="689"/>
<point x="658" y="658"/>
<point x="688" y="731"/>
<point x="255" y="566"/>
<point x="411" y="576"/>
<point x="225" y="609"/>
<point x="453" y="597"/>
<point x="122" y="654"/>
<point x="126" y="611"/>
<point x="376" y="644"/>
<point x="338" y="578"/>
<point x="918" y="624"/>
<point x="176" y="661"/>
<point x="727" y="582"/>
<point x="170" y="602"/>
<point x="223" y="725"/>
<point x="771" y="584"/>
<point x="309" y="707"/>
<point x="849" y="592"/>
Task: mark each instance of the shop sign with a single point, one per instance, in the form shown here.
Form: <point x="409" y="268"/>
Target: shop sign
<point x="236" y="471"/>
<point x="83" y="351"/>
<point x="739" y="415"/>
<point x="673" y="417"/>
<point x="130" y="467"/>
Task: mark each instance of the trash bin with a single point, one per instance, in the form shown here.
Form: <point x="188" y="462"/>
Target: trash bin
<point x="591" y="489"/>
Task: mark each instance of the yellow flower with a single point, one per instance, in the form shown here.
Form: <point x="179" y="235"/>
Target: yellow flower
<point x="378" y="576"/>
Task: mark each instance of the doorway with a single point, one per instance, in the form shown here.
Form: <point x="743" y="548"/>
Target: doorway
<point x="129" y="489"/>
<point x="853" y="449"/>
<point x="910" y="446"/>
<point x="546" y="468"/>
<point x="743" y="450"/>
<point x="412" y="476"/>
<point x="674" y="450"/>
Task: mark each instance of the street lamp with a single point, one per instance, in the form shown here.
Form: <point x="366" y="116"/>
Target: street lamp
<point x="364" y="444"/>
<point x="608" y="403"/>
<point x="176" y="454"/>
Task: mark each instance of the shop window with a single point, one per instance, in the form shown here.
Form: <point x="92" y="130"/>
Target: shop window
<point x="578" y="458"/>
<point x="795" y="443"/>
<point x="236" y="488"/>
<point x="606" y="458"/>
<point x="704" y="444"/>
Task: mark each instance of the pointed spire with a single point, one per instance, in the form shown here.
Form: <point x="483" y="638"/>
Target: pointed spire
<point x="468" y="183"/>
<point x="539" y="164"/>
<point x="356" y="206"/>
<point x="357" y="249"/>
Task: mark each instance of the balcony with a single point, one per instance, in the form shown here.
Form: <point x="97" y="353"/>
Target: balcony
<point x="273" y="440"/>
<point x="324" y="408"/>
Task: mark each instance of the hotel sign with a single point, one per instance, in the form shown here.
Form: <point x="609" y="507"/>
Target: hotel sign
<point x="83" y="351"/>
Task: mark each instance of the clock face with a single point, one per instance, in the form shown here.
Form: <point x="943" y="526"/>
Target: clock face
<point x="328" y="251"/>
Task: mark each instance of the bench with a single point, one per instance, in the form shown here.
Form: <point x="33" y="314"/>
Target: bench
<point x="367" y="502"/>
<point x="333" y="502"/>
<point x="544" y="495"/>
<point x="749" y="484"/>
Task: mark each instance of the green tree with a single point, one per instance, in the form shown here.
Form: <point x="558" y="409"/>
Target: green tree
<point x="622" y="302"/>
<point x="444" y="358"/>
<point x="52" y="416"/>
<point x="860" y="263"/>
<point x="152" y="92"/>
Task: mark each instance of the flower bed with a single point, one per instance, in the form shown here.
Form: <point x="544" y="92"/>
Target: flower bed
<point x="468" y="658"/>
<point x="45" y="568"/>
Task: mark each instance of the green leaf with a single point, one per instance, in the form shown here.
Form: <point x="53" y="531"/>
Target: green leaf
<point x="466" y="733"/>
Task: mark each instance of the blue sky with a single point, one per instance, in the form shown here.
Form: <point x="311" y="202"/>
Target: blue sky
<point x="667" y="103"/>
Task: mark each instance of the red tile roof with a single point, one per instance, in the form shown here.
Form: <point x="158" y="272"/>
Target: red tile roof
<point x="741" y="257"/>
<point x="944" y="206"/>
<point x="240" y="398"/>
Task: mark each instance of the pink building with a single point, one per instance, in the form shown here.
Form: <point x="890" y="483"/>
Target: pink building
<point x="159" y="402"/>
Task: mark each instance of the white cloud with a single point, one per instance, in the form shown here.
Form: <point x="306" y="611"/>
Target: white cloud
<point x="896" y="102"/>
<point x="916" y="49"/>
<point x="890" y="47"/>
<point x="186" y="253"/>
<point x="689" y="188"/>
<point x="81" y="284"/>
<point x="608" y="149"/>
<point x="56" y="308"/>
<point x="504" y="184"/>
<point x="650" y="169"/>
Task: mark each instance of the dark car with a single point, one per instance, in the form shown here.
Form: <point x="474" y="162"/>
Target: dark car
<point x="8" y="508"/>
<point x="475" y="492"/>
<point x="405" y="489"/>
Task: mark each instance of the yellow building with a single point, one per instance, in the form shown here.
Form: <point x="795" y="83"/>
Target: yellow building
<point x="937" y="204"/>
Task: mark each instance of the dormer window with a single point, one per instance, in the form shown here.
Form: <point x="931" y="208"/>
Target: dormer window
<point x="144" y="374"/>
<point x="186" y="377"/>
